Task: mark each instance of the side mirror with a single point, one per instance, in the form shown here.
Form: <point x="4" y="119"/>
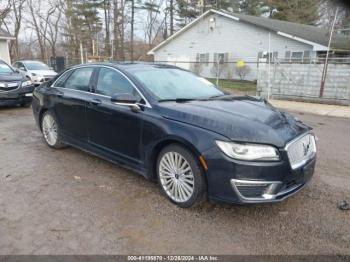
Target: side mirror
<point x="126" y="100"/>
<point x="23" y="69"/>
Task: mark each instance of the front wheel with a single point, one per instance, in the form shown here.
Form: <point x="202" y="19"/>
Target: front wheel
<point x="50" y="130"/>
<point x="180" y="176"/>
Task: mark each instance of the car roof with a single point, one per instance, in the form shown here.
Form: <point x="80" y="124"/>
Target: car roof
<point x="128" y="66"/>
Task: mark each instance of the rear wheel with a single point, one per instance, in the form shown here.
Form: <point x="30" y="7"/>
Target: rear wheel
<point x="180" y="176"/>
<point x="51" y="130"/>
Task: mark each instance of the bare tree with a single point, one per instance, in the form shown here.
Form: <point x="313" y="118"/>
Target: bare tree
<point x="4" y="11"/>
<point x="39" y="22"/>
<point x="107" y="20"/>
<point x="243" y="71"/>
<point x="54" y="22"/>
<point x="153" y="24"/>
<point x="119" y="28"/>
<point x="327" y="10"/>
<point x="132" y="30"/>
<point x="171" y="11"/>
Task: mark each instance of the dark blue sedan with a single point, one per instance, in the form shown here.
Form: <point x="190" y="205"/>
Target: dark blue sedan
<point x="176" y="128"/>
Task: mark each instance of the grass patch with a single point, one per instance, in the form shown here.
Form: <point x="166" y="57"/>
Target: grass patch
<point x="235" y="84"/>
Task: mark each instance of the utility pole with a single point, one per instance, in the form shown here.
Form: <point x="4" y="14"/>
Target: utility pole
<point x="97" y="46"/>
<point x="325" y="66"/>
<point x="269" y="69"/>
<point x="81" y="53"/>
<point x="112" y="50"/>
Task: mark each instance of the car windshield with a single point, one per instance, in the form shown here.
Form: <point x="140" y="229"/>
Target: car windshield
<point x="36" y="66"/>
<point x="5" y="69"/>
<point x="173" y="84"/>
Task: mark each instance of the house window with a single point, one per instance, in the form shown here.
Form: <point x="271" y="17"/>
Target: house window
<point x="203" y="58"/>
<point x="297" y="56"/>
<point x="268" y="56"/>
<point x="221" y="58"/>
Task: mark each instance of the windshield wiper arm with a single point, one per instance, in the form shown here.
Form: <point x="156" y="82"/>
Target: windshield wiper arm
<point x="220" y="97"/>
<point x="177" y="100"/>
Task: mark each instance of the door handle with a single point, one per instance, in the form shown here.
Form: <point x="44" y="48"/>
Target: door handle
<point x="95" y="101"/>
<point x="59" y="94"/>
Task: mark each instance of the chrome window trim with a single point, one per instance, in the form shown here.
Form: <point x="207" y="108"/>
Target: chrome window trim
<point x="303" y="162"/>
<point x="147" y="104"/>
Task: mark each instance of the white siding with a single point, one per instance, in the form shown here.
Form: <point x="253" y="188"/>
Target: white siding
<point x="239" y="39"/>
<point x="4" y="51"/>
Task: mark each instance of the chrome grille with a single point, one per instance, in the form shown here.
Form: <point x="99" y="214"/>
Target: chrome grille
<point x="300" y="150"/>
<point x="9" y="86"/>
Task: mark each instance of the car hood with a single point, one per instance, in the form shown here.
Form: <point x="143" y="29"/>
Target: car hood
<point x="11" y="77"/>
<point x="43" y="72"/>
<point x="245" y="119"/>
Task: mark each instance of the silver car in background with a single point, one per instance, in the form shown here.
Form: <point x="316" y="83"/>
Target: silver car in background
<point x="36" y="71"/>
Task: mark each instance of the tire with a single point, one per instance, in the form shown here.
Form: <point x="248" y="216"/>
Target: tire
<point x="184" y="188"/>
<point x="25" y="104"/>
<point x="51" y="131"/>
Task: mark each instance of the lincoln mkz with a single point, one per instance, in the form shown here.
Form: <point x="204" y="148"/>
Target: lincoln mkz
<point x="179" y="129"/>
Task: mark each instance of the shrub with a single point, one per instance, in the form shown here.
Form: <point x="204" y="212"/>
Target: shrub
<point x="242" y="70"/>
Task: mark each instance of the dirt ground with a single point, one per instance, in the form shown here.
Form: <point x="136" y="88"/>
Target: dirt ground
<point x="69" y="202"/>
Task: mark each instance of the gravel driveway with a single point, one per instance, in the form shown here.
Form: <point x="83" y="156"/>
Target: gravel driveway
<point x="69" y="202"/>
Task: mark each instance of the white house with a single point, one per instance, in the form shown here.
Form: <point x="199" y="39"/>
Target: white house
<point x="217" y="40"/>
<point x="5" y="37"/>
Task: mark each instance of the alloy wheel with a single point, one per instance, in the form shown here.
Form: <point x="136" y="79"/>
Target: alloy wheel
<point x="176" y="177"/>
<point x="49" y="128"/>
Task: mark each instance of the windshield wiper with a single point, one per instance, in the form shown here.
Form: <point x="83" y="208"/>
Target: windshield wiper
<point x="220" y="97"/>
<point x="177" y="100"/>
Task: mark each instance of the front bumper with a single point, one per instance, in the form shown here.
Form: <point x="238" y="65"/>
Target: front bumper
<point x="38" y="80"/>
<point x="250" y="191"/>
<point x="241" y="182"/>
<point x="21" y="95"/>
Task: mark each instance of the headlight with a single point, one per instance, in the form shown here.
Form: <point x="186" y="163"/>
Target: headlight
<point x="26" y="83"/>
<point x="248" y="151"/>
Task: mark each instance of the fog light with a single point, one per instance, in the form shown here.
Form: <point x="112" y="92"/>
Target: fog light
<point x="256" y="190"/>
